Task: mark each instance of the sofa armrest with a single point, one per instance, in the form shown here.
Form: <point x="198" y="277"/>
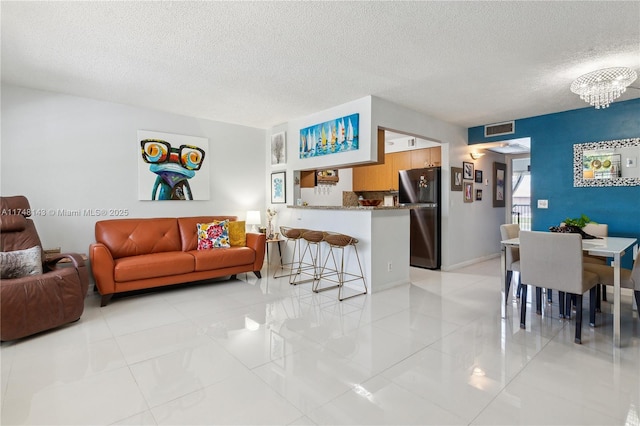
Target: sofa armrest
<point x="102" y="266"/>
<point x="258" y="243"/>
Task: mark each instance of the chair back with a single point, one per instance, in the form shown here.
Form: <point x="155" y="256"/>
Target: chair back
<point x="17" y="231"/>
<point x="551" y="260"/>
<point x="596" y="229"/>
<point x="507" y="232"/>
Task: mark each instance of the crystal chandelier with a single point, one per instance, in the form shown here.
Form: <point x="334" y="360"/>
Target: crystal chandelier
<point x="600" y="88"/>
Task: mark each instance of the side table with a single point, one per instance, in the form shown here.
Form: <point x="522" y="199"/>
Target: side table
<point x="272" y="241"/>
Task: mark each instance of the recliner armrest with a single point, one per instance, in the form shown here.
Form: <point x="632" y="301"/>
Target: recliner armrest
<point x="52" y="260"/>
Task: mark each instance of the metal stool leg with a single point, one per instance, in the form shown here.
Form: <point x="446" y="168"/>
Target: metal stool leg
<point x="326" y="273"/>
<point x="309" y="260"/>
<point x="340" y="241"/>
<point x="293" y="264"/>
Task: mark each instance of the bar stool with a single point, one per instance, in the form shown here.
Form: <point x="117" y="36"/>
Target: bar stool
<point x="309" y="264"/>
<point x="337" y="275"/>
<point x="291" y="234"/>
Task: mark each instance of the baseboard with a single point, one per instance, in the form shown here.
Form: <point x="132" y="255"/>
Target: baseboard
<point x="448" y="268"/>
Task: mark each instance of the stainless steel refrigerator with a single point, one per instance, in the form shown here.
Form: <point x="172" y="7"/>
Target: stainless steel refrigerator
<point x="420" y="188"/>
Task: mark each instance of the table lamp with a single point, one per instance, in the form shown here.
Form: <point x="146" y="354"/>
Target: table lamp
<point x="253" y="219"/>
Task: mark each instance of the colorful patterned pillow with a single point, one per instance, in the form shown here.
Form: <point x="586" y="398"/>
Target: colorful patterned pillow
<point x="238" y="233"/>
<point x="20" y="263"/>
<point x="213" y="235"/>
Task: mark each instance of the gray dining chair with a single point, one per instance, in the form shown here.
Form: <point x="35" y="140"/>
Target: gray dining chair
<point x="554" y="261"/>
<point x="597" y="230"/>
<point x="629" y="278"/>
<point x="512" y="257"/>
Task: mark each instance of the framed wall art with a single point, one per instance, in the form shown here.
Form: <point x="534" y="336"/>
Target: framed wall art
<point x="478" y="194"/>
<point x="331" y="137"/>
<point x="172" y="166"/>
<point x="278" y="188"/>
<point x="468" y="192"/>
<point x="278" y="149"/>
<point x="478" y="176"/>
<point x="467" y="171"/>
<point x="499" y="182"/>
<point x="456" y="178"/>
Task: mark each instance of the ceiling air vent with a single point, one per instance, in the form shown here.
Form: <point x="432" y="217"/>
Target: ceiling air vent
<point x="499" y="129"/>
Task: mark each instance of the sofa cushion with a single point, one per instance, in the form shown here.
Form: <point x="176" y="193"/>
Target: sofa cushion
<point x="222" y="258"/>
<point x="213" y="235"/>
<point x="132" y="237"/>
<point x="189" y="229"/>
<point x="237" y="233"/>
<point x="153" y="266"/>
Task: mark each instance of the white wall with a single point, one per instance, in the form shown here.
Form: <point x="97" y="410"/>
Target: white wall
<point x="70" y="153"/>
<point x="470" y="231"/>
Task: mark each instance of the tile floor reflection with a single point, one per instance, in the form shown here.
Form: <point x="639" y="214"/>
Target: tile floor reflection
<point x="250" y="351"/>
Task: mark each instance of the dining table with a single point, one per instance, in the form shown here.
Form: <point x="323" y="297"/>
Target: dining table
<point x="610" y="247"/>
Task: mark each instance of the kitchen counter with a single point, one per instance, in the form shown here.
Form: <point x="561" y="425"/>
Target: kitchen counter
<point x="382" y="232"/>
<point x="356" y="208"/>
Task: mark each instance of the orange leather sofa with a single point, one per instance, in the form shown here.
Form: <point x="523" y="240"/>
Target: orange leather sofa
<point x="135" y="254"/>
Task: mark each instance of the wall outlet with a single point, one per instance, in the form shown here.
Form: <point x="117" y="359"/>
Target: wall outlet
<point x="543" y="204"/>
<point x="389" y="266"/>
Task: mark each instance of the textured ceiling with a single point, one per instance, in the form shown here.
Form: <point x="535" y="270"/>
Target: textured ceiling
<point x="261" y="64"/>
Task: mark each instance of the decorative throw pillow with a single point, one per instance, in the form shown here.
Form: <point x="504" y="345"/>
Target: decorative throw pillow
<point x="20" y="263"/>
<point x="213" y="235"/>
<point x="237" y="233"/>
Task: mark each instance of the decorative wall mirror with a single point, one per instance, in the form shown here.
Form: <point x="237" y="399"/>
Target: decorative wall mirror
<point x="607" y="163"/>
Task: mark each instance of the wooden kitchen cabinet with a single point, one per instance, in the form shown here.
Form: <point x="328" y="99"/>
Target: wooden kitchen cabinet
<point x="427" y="157"/>
<point x="420" y="158"/>
<point x="370" y="178"/>
<point x="399" y="161"/>
<point x="436" y="156"/>
<point x="307" y="179"/>
<point x="384" y="177"/>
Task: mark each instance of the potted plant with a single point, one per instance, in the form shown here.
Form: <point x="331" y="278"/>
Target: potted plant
<point x="574" y="226"/>
<point x="580" y="222"/>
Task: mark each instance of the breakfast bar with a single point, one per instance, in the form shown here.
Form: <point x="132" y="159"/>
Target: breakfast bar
<point x="382" y="233"/>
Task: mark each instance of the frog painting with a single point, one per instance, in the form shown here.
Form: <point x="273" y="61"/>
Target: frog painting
<point x="171" y="168"/>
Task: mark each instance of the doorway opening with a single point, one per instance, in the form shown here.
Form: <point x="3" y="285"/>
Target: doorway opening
<point x="521" y="192"/>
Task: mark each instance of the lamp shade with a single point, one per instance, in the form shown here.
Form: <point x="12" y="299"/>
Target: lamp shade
<point x="253" y="217"/>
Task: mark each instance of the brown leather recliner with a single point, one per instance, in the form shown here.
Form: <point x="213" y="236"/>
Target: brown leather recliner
<point x="35" y="303"/>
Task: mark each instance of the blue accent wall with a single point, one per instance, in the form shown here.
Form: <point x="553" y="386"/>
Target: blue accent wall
<point x="552" y="138"/>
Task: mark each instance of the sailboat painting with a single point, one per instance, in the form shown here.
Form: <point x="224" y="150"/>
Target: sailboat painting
<point x="330" y="137"/>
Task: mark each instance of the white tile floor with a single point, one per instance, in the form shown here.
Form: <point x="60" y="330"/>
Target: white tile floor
<point x="251" y="351"/>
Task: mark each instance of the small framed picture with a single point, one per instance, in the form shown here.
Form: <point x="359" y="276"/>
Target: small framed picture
<point x="278" y="148"/>
<point x="499" y="180"/>
<point x="478" y="176"/>
<point x="456" y="178"/>
<point x="478" y="194"/>
<point x="468" y="192"/>
<point x="467" y="171"/>
<point x="278" y="188"/>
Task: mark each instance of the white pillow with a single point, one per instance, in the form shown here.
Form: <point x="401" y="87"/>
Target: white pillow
<point x="20" y="263"/>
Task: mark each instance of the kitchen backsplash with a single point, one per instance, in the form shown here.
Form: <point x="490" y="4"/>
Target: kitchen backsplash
<point x="350" y="198"/>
